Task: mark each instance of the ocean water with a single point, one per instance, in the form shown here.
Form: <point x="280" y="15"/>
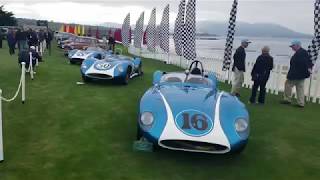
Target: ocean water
<point x="280" y="49"/>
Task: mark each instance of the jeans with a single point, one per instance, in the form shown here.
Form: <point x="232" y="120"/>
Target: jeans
<point x="12" y="49"/>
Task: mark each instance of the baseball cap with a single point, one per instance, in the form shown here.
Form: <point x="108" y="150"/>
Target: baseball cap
<point x="295" y="42"/>
<point x="245" y="41"/>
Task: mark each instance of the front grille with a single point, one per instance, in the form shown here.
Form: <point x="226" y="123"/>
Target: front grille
<point x="99" y="76"/>
<point x="194" y="146"/>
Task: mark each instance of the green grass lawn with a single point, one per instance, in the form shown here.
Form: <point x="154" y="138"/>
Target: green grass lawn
<point x="70" y="131"/>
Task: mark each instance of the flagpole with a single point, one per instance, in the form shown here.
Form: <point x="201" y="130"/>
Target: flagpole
<point x="310" y="86"/>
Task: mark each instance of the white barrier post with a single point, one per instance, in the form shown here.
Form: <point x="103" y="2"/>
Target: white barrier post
<point x="1" y="136"/>
<point x="30" y="65"/>
<point x="23" y="82"/>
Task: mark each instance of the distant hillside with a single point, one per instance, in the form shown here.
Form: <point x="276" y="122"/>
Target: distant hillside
<point x="250" y="30"/>
<point x="211" y="28"/>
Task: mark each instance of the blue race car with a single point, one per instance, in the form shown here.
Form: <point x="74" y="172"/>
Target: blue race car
<point x="76" y="56"/>
<point x="186" y="111"/>
<point x="113" y="67"/>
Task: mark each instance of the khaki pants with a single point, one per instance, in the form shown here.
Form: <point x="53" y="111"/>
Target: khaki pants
<point x="299" y="84"/>
<point x="237" y="81"/>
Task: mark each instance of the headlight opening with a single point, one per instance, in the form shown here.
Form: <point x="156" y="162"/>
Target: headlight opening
<point x="146" y="119"/>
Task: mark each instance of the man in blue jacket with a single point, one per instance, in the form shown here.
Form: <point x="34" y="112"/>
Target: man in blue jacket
<point x="300" y="69"/>
<point x="11" y="41"/>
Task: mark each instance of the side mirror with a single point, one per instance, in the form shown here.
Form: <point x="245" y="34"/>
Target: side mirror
<point x="157" y="77"/>
<point x="187" y="72"/>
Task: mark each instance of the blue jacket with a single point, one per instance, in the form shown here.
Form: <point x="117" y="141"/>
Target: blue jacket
<point x="11" y="39"/>
<point x="299" y="65"/>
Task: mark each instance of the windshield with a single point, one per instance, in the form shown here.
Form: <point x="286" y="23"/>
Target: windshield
<point x="182" y="78"/>
<point x="94" y="49"/>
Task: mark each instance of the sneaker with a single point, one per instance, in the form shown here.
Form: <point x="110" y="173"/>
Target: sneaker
<point x="298" y="106"/>
<point x="249" y="102"/>
<point x="285" y="102"/>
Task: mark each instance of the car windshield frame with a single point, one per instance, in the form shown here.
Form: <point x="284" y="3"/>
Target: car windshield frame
<point x="203" y="81"/>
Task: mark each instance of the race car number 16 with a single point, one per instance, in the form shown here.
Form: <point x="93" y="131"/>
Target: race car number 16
<point x="194" y="123"/>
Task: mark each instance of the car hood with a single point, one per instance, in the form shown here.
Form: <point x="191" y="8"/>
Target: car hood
<point x="182" y="98"/>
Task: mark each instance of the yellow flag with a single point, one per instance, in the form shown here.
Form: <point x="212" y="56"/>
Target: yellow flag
<point x="61" y="28"/>
<point x="79" y="30"/>
<point x="83" y="31"/>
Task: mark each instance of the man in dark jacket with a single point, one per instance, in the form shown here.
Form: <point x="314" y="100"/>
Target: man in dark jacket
<point x="300" y="69"/>
<point x="111" y="43"/>
<point x="11" y="41"/>
<point x="260" y="75"/>
<point x="32" y="38"/>
<point x="239" y="67"/>
<point x="24" y="56"/>
<point x="49" y="37"/>
<point x="1" y="38"/>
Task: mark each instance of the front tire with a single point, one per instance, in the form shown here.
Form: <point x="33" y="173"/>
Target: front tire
<point x="125" y="80"/>
<point x="139" y="133"/>
<point x="85" y="79"/>
<point x="239" y="150"/>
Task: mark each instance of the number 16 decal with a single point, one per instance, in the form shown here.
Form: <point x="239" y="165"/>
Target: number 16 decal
<point x="198" y="121"/>
<point x="194" y="123"/>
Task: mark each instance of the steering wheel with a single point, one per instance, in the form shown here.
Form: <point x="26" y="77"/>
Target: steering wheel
<point x="196" y="70"/>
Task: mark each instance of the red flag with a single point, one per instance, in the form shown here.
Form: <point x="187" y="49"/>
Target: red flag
<point x="71" y="29"/>
<point x="117" y="35"/>
<point x="97" y="33"/>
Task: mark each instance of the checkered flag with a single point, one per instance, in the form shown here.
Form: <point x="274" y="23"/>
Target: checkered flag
<point x="178" y="28"/>
<point x="189" y="38"/>
<point x="164" y="30"/>
<point x="157" y="36"/>
<point x="230" y="37"/>
<point x="125" y="32"/>
<point x="151" y="32"/>
<point x="138" y="32"/>
<point x="315" y="44"/>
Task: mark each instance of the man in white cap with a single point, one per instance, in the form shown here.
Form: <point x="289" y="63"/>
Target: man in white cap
<point x="300" y="69"/>
<point x="239" y="67"/>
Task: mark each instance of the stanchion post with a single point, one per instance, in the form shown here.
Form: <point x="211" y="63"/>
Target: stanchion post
<point x="23" y="82"/>
<point x="1" y="136"/>
<point x="30" y="65"/>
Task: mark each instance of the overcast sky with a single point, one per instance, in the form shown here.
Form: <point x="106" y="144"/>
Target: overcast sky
<point x="294" y="14"/>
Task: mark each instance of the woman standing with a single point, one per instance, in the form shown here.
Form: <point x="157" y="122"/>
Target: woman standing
<point x="260" y="75"/>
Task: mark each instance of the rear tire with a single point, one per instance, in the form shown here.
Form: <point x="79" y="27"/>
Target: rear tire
<point x="72" y="62"/>
<point x="140" y="72"/>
